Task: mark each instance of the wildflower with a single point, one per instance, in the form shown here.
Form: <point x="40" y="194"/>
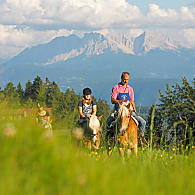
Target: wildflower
<point x="182" y="145"/>
<point x="109" y="148"/>
<point x="177" y="149"/>
<point x="102" y="147"/>
<point x="92" y="152"/>
<point x="96" y="153"/>
<point x="193" y="147"/>
<point x="173" y="149"/>
<point x="161" y="155"/>
<point x="171" y="157"/>
<point x="143" y="149"/>
<point x="186" y="147"/>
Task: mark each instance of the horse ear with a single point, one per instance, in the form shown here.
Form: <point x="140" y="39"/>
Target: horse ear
<point x="119" y="104"/>
<point x="99" y="118"/>
<point x="128" y="106"/>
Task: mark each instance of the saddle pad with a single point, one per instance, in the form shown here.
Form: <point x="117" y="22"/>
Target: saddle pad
<point x="137" y="123"/>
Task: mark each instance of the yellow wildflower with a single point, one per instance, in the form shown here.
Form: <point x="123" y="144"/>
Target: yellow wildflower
<point x="173" y="149"/>
<point x="186" y="147"/>
<point x="193" y="147"/>
<point x="143" y="149"/>
<point x="170" y="157"/>
<point x="182" y="145"/>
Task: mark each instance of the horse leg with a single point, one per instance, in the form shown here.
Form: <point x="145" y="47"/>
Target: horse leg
<point x="121" y="152"/>
<point x="110" y="142"/>
<point x="89" y="144"/>
<point x="128" y="152"/>
<point x="98" y="141"/>
<point x="133" y="136"/>
<point x="122" y="145"/>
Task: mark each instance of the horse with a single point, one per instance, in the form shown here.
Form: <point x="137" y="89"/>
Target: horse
<point x="127" y="138"/>
<point x="92" y="141"/>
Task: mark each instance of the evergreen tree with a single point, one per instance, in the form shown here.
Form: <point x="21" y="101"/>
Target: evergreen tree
<point x="28" y="90"/>
<point x="178" y="112"/>
<point x="20" y="92"/>
<point x="103" y="109"/>
<point x="11" y="95"/>
<point x="37" y="89"/>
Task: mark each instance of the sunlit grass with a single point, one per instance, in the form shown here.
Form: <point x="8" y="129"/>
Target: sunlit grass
<point x="32" y="163"/>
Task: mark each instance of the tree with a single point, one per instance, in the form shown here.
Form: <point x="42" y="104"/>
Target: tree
<point x="28" y="90"/>
<point x="20" y="92"/>
<point x="37" y="89"/>
<point x="178" y="112"/>
<point x="11" y="94"/>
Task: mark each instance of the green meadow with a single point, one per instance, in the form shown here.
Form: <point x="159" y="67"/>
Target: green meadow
<point x="33" y="163"/>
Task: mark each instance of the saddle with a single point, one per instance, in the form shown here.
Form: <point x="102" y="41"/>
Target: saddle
<point x="135" y="120"/>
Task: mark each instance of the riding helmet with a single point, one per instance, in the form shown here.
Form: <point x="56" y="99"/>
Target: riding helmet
<point x="87" y="91"/>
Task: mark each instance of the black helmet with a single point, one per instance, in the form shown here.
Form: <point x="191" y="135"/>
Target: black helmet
<point x="87" y="91"/>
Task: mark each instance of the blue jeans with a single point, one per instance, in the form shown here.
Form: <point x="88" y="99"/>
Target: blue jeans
<point x="142" y="122"/>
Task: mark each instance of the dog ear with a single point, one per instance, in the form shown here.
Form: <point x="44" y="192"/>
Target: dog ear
<point x="99" y="118"/>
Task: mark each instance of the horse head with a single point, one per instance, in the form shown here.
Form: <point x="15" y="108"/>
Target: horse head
<point x="94" y="124"/>
<point x="124" y="114"/>
<point x="128" y="130"/>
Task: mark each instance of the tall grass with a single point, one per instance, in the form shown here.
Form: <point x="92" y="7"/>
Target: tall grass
<point x="32" y="163"/>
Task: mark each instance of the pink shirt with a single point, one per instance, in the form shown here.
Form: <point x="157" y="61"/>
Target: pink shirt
<point x="120" y="89"/>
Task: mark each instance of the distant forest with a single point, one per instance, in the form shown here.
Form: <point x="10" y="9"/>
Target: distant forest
<point x="170" y="122"/>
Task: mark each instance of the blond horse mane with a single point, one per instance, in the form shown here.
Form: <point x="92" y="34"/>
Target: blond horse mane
<point x="123" y="111"/>
<point x="94" y="123"/>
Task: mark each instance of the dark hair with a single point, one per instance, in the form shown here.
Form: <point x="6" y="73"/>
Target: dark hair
<point x="87" y="91"/>
<point x="124" y="73"/>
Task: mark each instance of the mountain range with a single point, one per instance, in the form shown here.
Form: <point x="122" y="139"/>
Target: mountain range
<point x="97" y="60"/>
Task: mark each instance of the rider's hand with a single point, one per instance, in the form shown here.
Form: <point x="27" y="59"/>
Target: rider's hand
<point x="88" y="116"/>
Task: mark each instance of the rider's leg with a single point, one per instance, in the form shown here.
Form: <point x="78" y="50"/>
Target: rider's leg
<point x="142" y="122"/>
<point x="110" y="119"/>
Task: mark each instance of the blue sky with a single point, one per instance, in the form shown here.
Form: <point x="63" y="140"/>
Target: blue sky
<point x="173" y="4"/>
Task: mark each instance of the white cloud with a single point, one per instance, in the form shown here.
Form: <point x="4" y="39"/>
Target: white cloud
<point x="21" y="20"/>
<point x="189" y="35"/>
<point x="14" y="39"/>
<point x="90" y="14"/>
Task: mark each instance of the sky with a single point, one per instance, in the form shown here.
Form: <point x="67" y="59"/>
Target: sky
<point x="25" y="23"/>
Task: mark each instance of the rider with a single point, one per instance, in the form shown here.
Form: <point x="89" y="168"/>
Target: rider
<point x="87" y="107"/>
<point x="122" y="92"/>
<point x="42" y="116"/>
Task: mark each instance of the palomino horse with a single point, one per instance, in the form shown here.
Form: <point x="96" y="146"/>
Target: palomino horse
<point x="127" y="140"/>
<point x="93" y="139"/>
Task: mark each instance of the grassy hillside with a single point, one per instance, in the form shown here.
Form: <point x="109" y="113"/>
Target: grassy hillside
<point x="32" y="163"/>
